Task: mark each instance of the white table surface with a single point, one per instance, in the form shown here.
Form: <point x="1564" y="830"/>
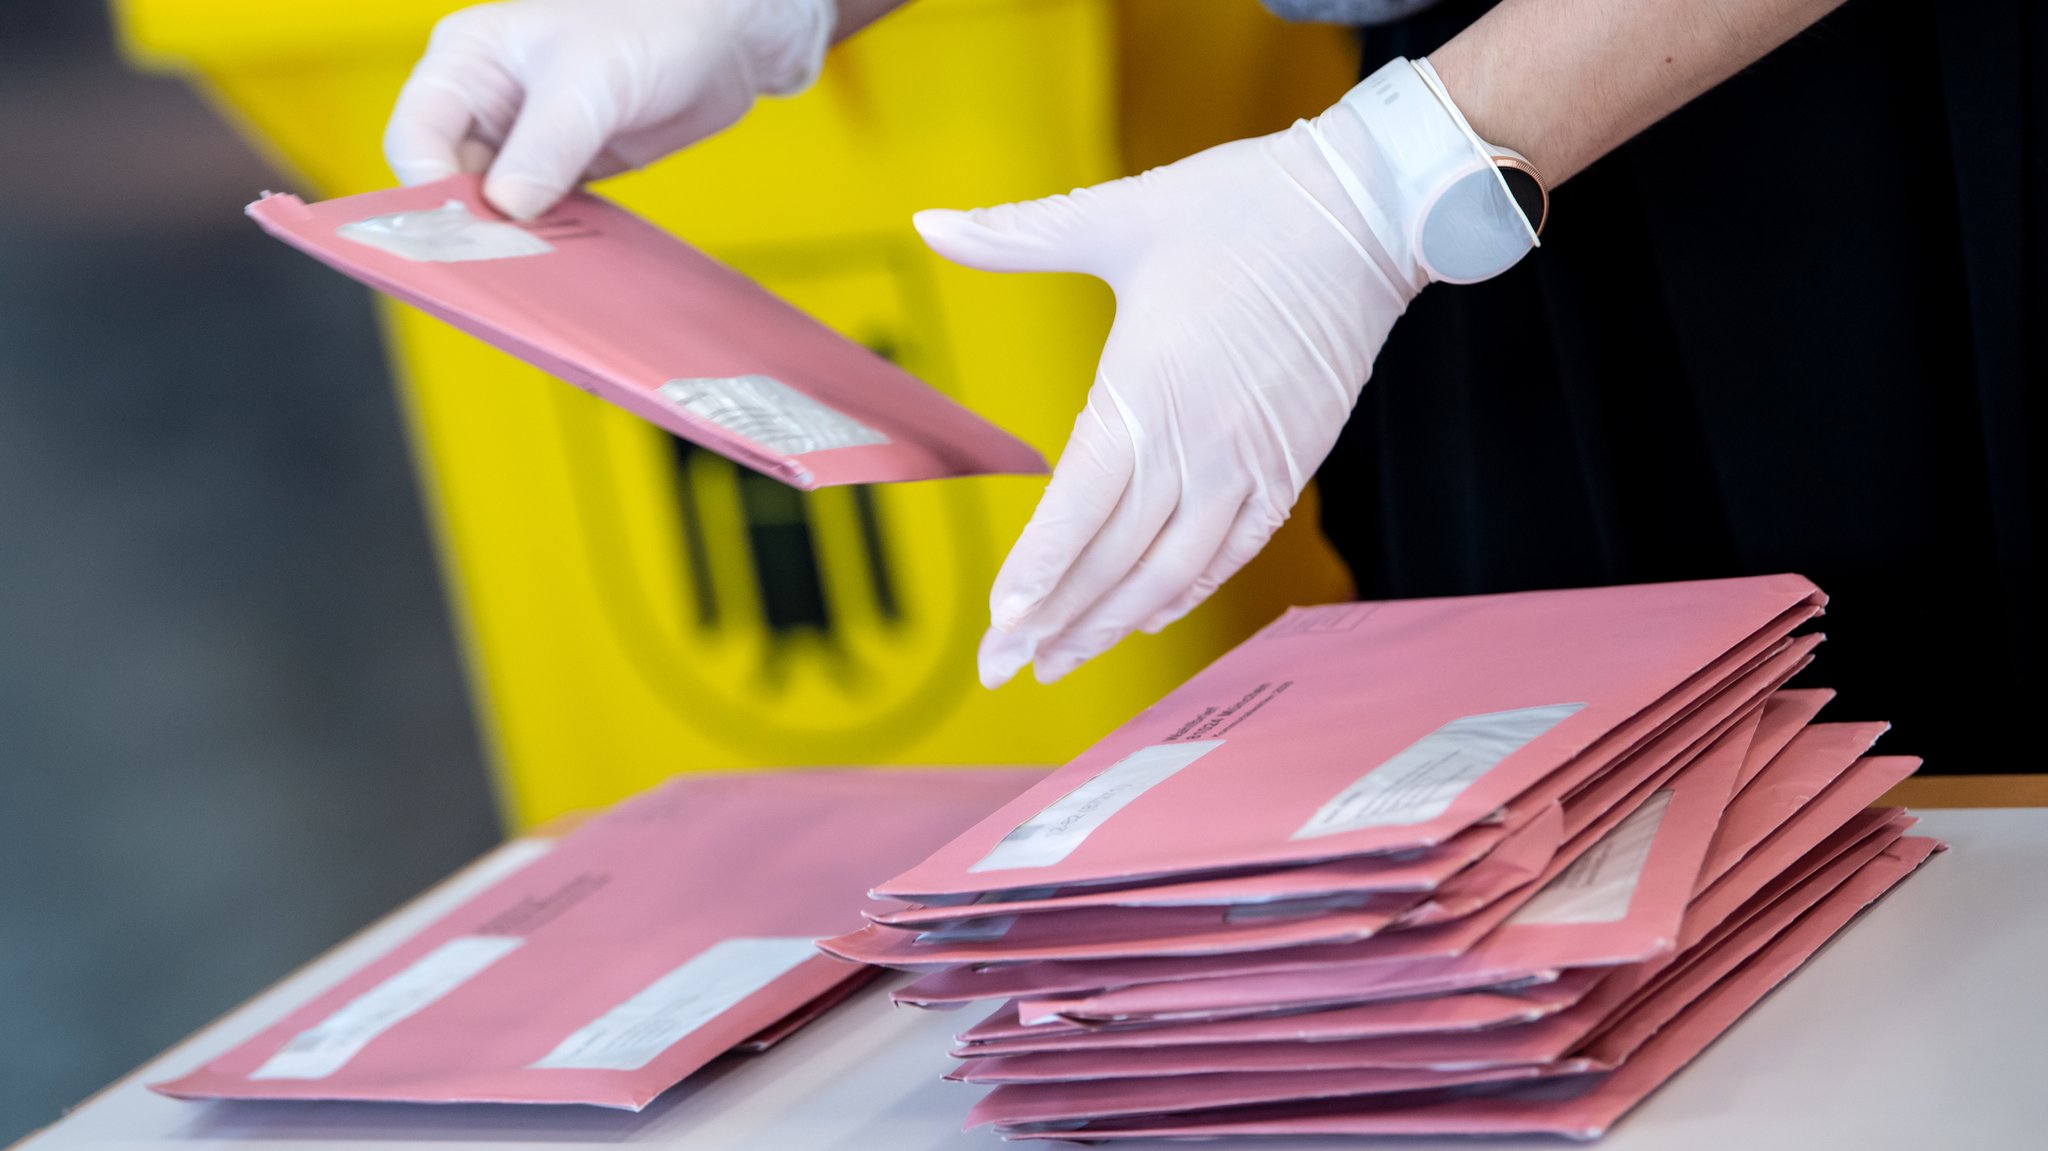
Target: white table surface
<point x="1922" y="1027"/>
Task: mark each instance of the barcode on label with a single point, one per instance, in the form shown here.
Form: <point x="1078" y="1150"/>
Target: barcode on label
<point x="1421" y="780"/>
<point x="1053" y="834"/>
<point x="324" y="1048"/>
<point x="768" y="412"/>
<point x="629" y="1036"/>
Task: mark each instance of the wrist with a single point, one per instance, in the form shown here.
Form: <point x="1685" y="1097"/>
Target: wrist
<point x="1430" y="188"/>
<point x="783" y="42"/>
<point x="1476" y="86"/>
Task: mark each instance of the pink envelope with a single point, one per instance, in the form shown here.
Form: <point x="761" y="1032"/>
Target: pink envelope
<point x="1520" y="862"/>
<point x="1013" y="1104"/>
<point x="1426" y="869"/>
<point x="809" y="1013"/>
<point x="1811" y="761"/>
<point x="1810" y="841"/>
<point x="1223" y="988"/>
<point x="1002" y="1034"/>
<point x="1516" y="864"/>
<point x="1785" y="716"/>
<point x="958" y="984"/>
<point x="1738" y="701"/>
<point x="1661" y="993"/>
<point x="629" y="955"/>
<point x="1399" y="724"/>
<point x="1408" y="962"/>
<point x="1122" y="932"/>
<point x="1114" y="932"/>
<point x="949" y="988"/>
<point x="1508" y="1049"/>
<point x="1587" y="787"/>
<point x="1767" y="871"/>
<point x="1157" y="933"/>
<point x="1668" y="1002"/>
<point x="1621" y="899"/>
<point x="1619" y="1013"/>
<point x="1417" y="872"/>
<point x="1841" y="802"/>
<point x="598" y="297"/>
<point x="1208" y="935"/>
<point x="1584" y="1113"/>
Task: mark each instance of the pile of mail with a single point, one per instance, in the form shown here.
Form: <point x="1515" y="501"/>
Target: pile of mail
<point x="1487" y="865"/>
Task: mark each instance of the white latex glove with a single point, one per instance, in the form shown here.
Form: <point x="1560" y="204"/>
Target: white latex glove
<point x="544" y="94"/>
<point x="1254" y="283"/>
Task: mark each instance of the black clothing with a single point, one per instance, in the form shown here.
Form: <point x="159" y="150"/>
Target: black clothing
<point x="1799" y="326"/>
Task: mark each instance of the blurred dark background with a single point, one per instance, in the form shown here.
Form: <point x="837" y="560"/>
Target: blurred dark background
<point x="233" y="726"/>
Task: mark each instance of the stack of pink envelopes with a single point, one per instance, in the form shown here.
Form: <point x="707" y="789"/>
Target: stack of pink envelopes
<point x="1484" y="865"/>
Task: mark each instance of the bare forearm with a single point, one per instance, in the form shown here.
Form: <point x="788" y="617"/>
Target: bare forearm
<point x="1565" y="81"/>
<point x="855" y="15"/>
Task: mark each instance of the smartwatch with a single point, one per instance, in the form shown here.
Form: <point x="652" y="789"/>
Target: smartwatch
<point x="1446" y="204"/>
<point x="1464" y="236"/>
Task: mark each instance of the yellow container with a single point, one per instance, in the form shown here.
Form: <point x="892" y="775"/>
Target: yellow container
<point x="633" y="608"/>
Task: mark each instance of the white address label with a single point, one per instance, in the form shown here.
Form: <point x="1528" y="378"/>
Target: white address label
<point x="1053" y="834"/>
<point x="449" y="234"/>
<point x="1423" y="779"/>
<point x="770" y="413"/>
<point x="1599" y="885"/>
<point x="629" y="1036"/>
<point x="327" y="1046"/>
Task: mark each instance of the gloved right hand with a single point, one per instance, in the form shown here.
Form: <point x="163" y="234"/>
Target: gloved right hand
<point x="544" y="94"/>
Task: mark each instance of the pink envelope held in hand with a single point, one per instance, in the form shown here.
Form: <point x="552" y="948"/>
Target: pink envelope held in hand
<point x="598" y="297"/>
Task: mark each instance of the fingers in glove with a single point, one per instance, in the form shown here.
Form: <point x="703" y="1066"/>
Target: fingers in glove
<point x="1110" y="558"/>
<point x="557" y="135"/>
<point x="459" y="93"/>
<point x="1107" y="559"/>
<point x="1166" y="574"/>
<point x="1068" y="233"/>
<point x="426" y="131"/>
<point x="1256" y="523"/>
<point x="1087" y="482"/>
<point x="451" y="99"/>
<point x="1001" y="655"/>
<point x="1087" y="485"/>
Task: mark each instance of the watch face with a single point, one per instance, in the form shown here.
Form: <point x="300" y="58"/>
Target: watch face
<point x="1473" y="229"/>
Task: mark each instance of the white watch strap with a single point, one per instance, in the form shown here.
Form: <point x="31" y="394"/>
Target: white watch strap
<point x="1485" y="150"/>
<point x="1442" y="209"/>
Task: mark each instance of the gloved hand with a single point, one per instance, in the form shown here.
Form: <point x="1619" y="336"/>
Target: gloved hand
<point x="547" y="93"/>
<point x="1254" y="283"/>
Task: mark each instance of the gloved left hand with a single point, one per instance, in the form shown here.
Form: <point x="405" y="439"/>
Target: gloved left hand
<point x="1254" y="283"/>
